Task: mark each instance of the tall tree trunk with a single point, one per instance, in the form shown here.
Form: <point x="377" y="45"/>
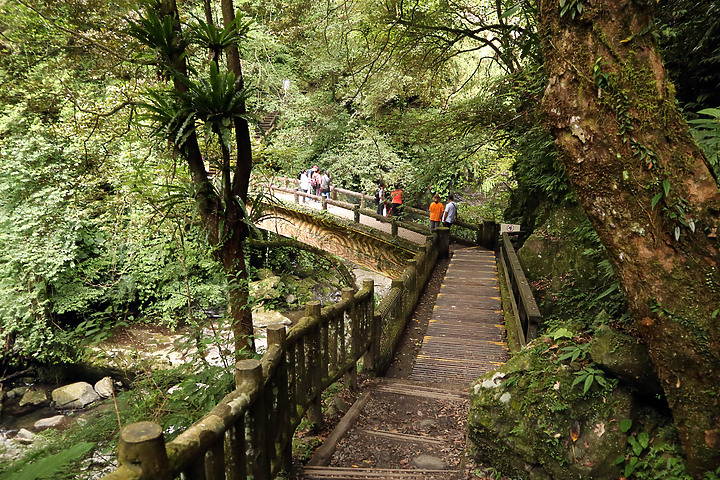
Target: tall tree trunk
<point x="647" y="189"/>
<point x="222" y="215"/>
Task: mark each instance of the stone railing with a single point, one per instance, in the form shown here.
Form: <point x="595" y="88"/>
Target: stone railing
<point x="484" y="233"/>
<point x="526" y="315"/>
<point x="249" y="433"/>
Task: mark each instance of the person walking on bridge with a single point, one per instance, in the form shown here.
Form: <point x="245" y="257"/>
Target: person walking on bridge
<point x="436" y="211"/>
<point x="325" y="185"/>
<point x="304" y="183"/>
<point x="396" y="197"/>
<point x="380" y="198"/>
<point x="448" y="217"/>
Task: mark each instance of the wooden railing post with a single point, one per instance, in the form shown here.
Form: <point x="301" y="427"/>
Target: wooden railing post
<point x="348" y="293"/>
<point x="249" y="377"/>
<point x="443" y="234"/>
<point x="362" y="200"/>
<point x="370" y="361"/>
<point x="296" y="197"/>
<point x="333" y="192"/>
<point x="393" y="228"/>
<point x="276" y="336"/>
<point x="324" y="203"/>
<point x="356" y="214"/>
<point x="142" y="444"/>
<point x="314" y="412"/>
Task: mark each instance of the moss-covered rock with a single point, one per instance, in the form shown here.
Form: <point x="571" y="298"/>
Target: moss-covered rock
<point x="552" y="251"/>
<point x="521" y="418"/>
<point x="626" y="358"/>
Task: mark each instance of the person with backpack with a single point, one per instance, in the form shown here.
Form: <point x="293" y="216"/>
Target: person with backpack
<point x="450" y="213"/>
<point x="315" y="181"/>
<point x="325" y="185"/>
<point x="380" y="198"/>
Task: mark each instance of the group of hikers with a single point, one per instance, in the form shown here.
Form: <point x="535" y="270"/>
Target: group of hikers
<point x="438" y="213"/>
<point x="313" y="182"/>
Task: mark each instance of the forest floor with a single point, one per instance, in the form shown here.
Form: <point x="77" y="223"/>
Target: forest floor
<point x="444" y="421"/>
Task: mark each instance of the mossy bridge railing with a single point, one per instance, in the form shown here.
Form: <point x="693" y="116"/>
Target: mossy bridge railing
<point x="249" y="433"/>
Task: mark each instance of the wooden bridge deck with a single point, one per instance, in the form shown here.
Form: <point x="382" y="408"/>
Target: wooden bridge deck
<point x="464" y="340"/>
<point x="466" y="334"/>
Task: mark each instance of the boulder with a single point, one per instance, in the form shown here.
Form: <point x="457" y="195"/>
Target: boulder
<point x="25" y="436"/>
<point x="521" y="418"/>
<point x="266" y="288"/>
<point x="50" y="422"/>
<point x="34" y="397"/>
<point x="75" y="395"/>
<point x="428" y="462"/>
<point x="626" y="358"/>
<point x="262" y="317"/>
<point x="104" y="387"/>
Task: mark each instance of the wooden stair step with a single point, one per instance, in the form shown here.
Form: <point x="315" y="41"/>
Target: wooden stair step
<point x="338" y="473"/>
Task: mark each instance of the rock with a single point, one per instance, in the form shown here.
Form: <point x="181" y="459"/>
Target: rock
<point x="520" y="422"/>
<point x="25" y="436"/>
<point x="17" y="392"/>
<point x="262" y="318"/>
<point x="263" y="273"/>
<point x="290" y="299"/>
<point x="266" y="288"/>
<point x="75" y="395"/>
<point x="428" y="462"/>
<point x="50" y="422"/>
<point x="623" y="356"/>
<point x="33" y="397"/>
<point x="104" y="387"/>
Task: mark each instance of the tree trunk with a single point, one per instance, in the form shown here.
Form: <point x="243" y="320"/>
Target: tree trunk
<point x="222" y="215"/>
<point x="647" y="189"/>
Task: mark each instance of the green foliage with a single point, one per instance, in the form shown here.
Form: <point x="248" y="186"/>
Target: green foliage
<point x="706" y="132"/>
<point x="589" y="376"/>
<point x="48" y="466"/>
<point x="572" y="7"/>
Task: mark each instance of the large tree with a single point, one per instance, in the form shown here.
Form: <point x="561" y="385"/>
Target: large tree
<point x="649" y="193"/>
<point x="207" y="97"/>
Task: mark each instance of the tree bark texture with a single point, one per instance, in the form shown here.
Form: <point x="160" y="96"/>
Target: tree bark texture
<point x="647" y="189"/>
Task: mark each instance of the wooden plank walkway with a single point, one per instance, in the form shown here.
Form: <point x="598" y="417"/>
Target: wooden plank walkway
<point x="466" y="334"/>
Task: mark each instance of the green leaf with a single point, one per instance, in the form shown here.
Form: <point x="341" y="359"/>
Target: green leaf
<point x="510" y="12"/>
<point x="625" y="425"/>
<point x="49" y="466"/>
<point x="588" y="383"/>
<point x="655" y="200"/>
<point x="677" y="233"/>
<point x="666" y="186"/>
<point x="644" y="439"/>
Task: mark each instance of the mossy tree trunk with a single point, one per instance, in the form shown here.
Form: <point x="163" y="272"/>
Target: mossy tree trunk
<point x="647" y="189"/>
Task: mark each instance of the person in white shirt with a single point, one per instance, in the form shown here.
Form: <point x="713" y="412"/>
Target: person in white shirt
<point x="448" y="216"/>
<point x="304" y="183"/>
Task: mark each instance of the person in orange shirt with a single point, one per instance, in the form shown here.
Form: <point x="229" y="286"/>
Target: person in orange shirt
<point x="436" y="211"/>
<point x="396" y="198"/>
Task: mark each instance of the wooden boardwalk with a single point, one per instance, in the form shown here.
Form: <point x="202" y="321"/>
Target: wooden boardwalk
<point x="466" y="334"/>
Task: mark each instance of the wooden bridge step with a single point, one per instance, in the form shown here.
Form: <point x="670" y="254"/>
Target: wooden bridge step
<point x="337" y="473"/>
<point x="423" y="391"/>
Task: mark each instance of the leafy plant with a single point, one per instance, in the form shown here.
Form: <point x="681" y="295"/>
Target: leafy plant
<point x="706" y="132"/>
<point x="573" y="7"/>
<point x="574" y="352"/>
<point x="590" y="375"/>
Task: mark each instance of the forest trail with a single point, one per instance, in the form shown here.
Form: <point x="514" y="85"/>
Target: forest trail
<point x="414" y="426"/>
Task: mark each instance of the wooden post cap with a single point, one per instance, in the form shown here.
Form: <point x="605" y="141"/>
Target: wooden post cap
<point x="141" y="432"/>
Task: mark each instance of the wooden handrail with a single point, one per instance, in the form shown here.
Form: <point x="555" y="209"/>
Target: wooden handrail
<point x="526" y="313"/>
<point x="249" y="433"/>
